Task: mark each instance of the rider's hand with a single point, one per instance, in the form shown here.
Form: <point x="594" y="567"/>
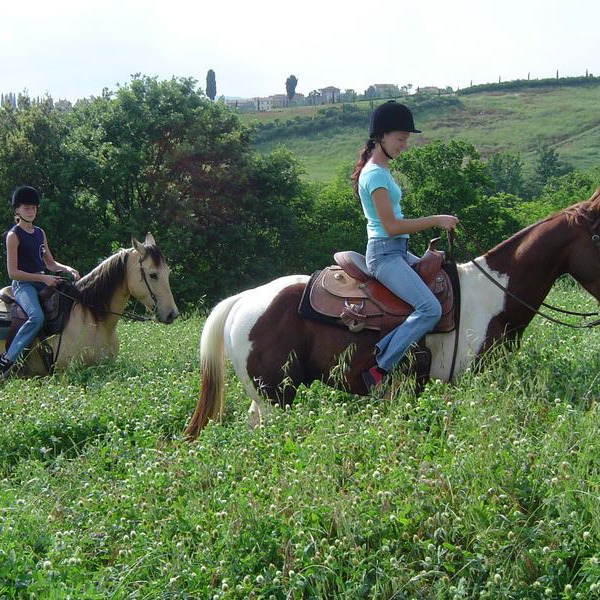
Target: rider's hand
<point x="447" y="222"/>
<point x="51" y="280"/>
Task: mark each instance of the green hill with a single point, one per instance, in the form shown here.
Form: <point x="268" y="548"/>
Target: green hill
<point x="510" y="118"/>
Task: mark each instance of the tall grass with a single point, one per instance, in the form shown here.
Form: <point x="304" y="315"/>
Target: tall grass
<point x="488" y="488"/>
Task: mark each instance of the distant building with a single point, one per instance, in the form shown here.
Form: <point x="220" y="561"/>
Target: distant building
<point x="330" y="95"/>
<point x="432" y="89"/>
<point x="279" y="101"/>
<point x="386" y="90"/>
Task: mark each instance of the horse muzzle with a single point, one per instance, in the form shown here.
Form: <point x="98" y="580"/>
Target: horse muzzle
<point x="169" y="318"/>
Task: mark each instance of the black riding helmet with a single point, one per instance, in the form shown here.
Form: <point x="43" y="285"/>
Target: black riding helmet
<point x="24" y="194"/>
<point x="391" y="116"/>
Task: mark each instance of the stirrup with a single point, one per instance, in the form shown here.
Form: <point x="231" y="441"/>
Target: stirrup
<point x="47" y="355"/>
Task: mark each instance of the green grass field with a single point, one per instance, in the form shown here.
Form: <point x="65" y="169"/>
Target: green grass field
<point x="489" y="488"/>
<point x="567" y="118"/>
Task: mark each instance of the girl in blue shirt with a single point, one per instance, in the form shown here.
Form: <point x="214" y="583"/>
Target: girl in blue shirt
<point x="388" y="258"/>
<point x="27" y="258"/>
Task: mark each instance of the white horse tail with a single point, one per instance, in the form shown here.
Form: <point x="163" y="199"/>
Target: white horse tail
<point x="212" y="368"/>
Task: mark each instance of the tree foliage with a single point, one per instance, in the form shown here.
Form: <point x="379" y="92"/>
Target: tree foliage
<point x="211" y="85"/>
<point x="451" y="179"/>
<point x="548" y="165"/>
<point x="290" y="86"/>
<point x="158" y="156"/>
<point x="505" y="172"/>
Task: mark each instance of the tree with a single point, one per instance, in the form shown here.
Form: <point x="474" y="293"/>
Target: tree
<point x="290" y="86"/>
<point x="548" y="165"/>
<point x="211" y="85"/>
<point x="159" y="156"/>
<point x="163" y="158"/>
<point x="506" y="174"/>
<point x="450" y="179"/>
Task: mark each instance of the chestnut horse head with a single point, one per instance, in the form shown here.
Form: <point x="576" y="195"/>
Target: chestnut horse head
<point x="274" y="350"/>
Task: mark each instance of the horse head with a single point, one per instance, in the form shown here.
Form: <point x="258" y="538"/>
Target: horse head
<point x="583" y="253"/>
<point x="148" y="279"/>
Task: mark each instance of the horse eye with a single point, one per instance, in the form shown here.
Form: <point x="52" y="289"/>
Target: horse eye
<point x="153" y="275"/>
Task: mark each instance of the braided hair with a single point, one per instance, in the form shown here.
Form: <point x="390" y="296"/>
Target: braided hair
<point x="363" y="157"/>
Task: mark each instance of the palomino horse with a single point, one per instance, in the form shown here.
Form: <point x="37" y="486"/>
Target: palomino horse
<point x="89" y="332"/>
<point x="274" y="350"/>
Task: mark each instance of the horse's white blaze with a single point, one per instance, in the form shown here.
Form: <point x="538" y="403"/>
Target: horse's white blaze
<point x="247" y="310"/>
<point x="481" y="301"/>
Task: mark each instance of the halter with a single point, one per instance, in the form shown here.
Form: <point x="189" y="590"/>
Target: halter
<point x="595" y="237"/>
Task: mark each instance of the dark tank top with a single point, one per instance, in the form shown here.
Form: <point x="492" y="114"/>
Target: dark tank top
<point x="31" y="250"/>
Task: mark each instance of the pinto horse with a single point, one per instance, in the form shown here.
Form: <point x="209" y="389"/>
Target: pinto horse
<point x="89" y="331"/>
<point x="274" y="350"/>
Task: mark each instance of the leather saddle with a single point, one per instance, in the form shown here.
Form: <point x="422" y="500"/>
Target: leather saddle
<point x="346" y="294"/>
<point x="54" y="305"/>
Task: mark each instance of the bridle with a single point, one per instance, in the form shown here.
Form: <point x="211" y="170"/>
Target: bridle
<point x="145" y="280"/>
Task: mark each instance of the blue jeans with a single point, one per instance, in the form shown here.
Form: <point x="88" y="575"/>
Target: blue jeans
<point x="389" y="261"/>
<point x="26" y="294"/>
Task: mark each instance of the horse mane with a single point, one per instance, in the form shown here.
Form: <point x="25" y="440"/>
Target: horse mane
<point x="96" y="289"/>
<point x="588" y="210"/>
<point x="155" y="254"/>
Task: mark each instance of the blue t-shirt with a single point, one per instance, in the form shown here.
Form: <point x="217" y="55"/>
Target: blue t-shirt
<point x="372" y="177"/>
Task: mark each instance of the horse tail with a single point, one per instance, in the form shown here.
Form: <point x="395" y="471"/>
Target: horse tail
<point x="212" y="368"/>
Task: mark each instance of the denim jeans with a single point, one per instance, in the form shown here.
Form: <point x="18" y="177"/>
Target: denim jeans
<point x="389" y="261"/>
<point x="26" y="295"/>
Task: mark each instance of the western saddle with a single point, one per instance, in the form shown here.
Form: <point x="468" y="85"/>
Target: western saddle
<point x="346" y="294"/>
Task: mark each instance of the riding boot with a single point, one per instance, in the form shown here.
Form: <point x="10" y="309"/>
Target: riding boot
<point x="417" y="362"/>
<point x="5" y="366"/>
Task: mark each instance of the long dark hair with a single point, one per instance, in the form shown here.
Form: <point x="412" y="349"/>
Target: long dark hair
<point x="363" y="157"/>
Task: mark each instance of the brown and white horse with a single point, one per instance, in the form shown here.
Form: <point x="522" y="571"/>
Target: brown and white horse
<point x="89" y="333"/>
<point x="273" y="349"/>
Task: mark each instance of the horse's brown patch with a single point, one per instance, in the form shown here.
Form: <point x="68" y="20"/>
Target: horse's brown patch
<point x="289" y="350"/>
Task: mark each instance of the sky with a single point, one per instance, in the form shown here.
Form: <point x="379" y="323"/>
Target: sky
<point x="71" y="49"/>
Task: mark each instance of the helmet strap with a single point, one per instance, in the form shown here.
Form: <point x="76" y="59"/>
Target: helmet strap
<point x="21" y="218"/>
<point x="385" y="151"/>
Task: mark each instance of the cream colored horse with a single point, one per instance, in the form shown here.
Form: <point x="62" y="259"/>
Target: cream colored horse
<point x="89" y="333"/>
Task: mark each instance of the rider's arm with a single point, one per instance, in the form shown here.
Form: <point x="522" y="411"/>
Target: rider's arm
<point x="394" y="226"/>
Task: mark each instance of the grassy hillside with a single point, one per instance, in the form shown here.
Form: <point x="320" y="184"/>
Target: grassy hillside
<point x="488" y="488"/>
<point x="516" y="121"/>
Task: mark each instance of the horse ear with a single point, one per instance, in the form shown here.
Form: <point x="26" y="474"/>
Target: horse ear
<point x="149" y="240"/>
<point x="139" y="247"/>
